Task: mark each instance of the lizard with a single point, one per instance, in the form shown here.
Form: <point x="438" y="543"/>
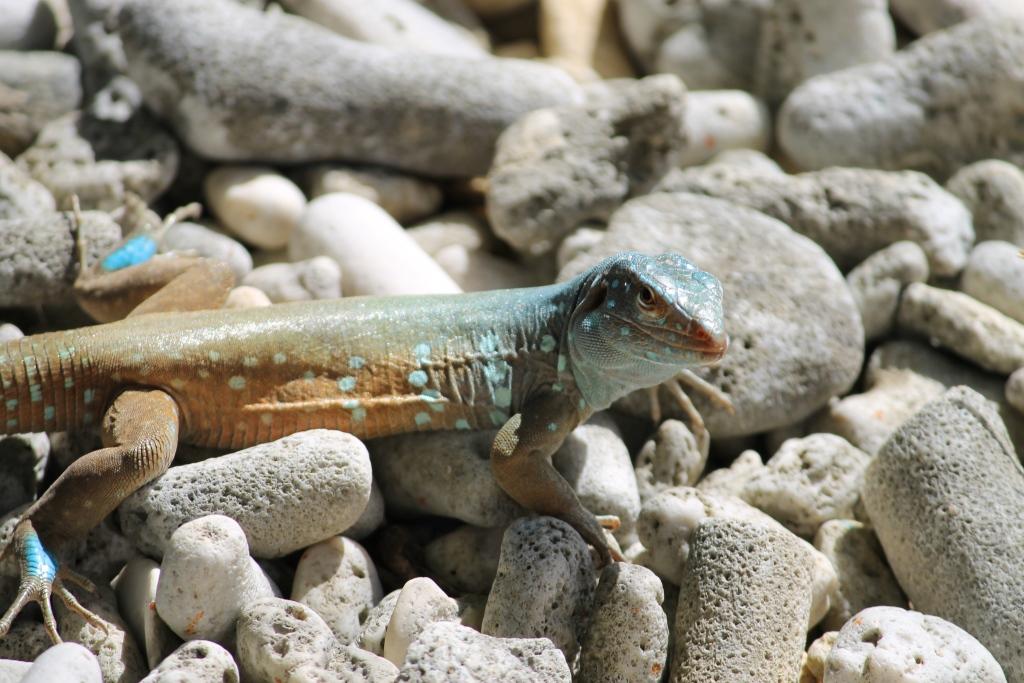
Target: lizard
<point x="533" y="363"/>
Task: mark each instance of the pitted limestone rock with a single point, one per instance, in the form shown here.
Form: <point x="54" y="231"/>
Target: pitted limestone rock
<point x="467" y="558"/>
<point x="206" y="578"/>
<point x="774" y="378"/>
<point x="420" y="603"/>
<point x="743" y="606"/>
<point x="627" y="639"/>
<point x="946" y="100"/>
<point x="201" y="240"/>
<point x="895" y="644"/>
<point x="315" y="278"/>
<point x="446" y="651"/>
<point x="202" y="67"/>
<point x="995" y="276"/>
<point x="944" y="495"/>
<point x="865" y="579"/>
<point x="116" y="650"/>
<point x="729" y="481"/>
<point x="993" y="191"/>
<point x="21" y="196"/>
<point x="671" y="457"/>
<point x="556" y="168"/>
<point x="371" y="637"/>
<point x="276" y="636"/>
<point x="338" y="579"/>
<point x="878" y="281"/>
<point x="544" y="587"/>
<point x="200" y="661"/>
<point x="35" y="87"/>
<point x="286" y="494"/>
<point x="850" y="212"/>
<point x="925" y="16"/>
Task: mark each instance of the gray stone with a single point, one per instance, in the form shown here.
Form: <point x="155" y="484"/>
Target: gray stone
<point x="116" y="651"/>
<point x="371" y="637"/>
<point x="946" y="100"/>
<point x="276" y="636"/>
<point x="477" y="271"/>
<point x="878" y="281"/>
<point x="35" y="87"/>
<point x="198" y="661"/>
<point x="27" y="25"/>
<point x="135" y="586"/>
<point x="743" y="606"/>
<point x="925" y="16"/>
<point x="729" y="481"/>
<point x="944" y="495"/>
<point x="285" y="494"/>
<point x="993" y="191"/>
<point x="467" y="558"/>
<point x="775" y="281"/>
<point x="315" y="278"/>
<point x="24" y="458"/>
<point x="406" y="197"/>
<point x="349" y="663"/>
<point x="13" y="670"/>
<point x="69" y="662"/>
<point x="1015" y="389"/>
<point x="420" y="603"/>
<point x="446" y="651"/>
<point x="627" y="639"/>
<point x="671" y="457"/>
<point x="895" y="644"/>
<point x="462" y="228"/>
<point x="722" y="120"/>
<point x="850" y="212"/>
<point x="995" y="276"/>
<point x="964" y="325"/>
<point x="558" y="167"/>
<point x="20" y="195"/>
<point x="39" y="255"/>
<point x="203" y="66"/>
<point x="186" y="236"/>
<point x="544" y="587"/>
<point x="865" y="579"/>
<point x="96" y="41"/>
<point x="112" y="148"/>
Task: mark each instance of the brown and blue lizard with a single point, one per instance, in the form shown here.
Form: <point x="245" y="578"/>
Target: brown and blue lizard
<point x="533" y="362"/>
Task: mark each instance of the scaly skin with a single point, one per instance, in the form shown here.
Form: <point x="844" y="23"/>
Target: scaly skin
<point x="535" y="362"/>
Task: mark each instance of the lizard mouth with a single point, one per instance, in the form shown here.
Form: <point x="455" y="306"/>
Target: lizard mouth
<point x="695" y="339"/>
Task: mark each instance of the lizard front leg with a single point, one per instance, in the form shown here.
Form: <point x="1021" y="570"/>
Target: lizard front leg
<point x="521" y="462"/>
<point x="140" y="435"/>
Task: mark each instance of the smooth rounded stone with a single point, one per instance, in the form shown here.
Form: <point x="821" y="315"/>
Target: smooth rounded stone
<point x="850" y="212"/>
<point x="246" y="297"/>
<point x="890" y="644"/>
<point x="878" y="281"/>
<point x="627" y="638"/>
<point x="1015" y="389"/>
<point x="995" y="276"/>
<point x="39" y="255"/>
<point x="558" y="167"/>
<point x="405" y="197"/>
<point x="202" y="67"/>
<point x="256" y="203"/>
<point x="477" y="271"/>
<point x="669" y="458"/>
<point x="460" y="227"/>
<point x="315" y="278"/>
<point x="447" y="651"/>
<point x="24" y="458"/>
<point x="946" y="100"/>
<point x="196" y="661"/>
<point x="718" y="120"/>
<point x="186" y="236"/>
<point x="993" y="191"/>
<point x="925" y="16"/>
<point x="597" y="462"/>
<point x="113" y="148"/>
<point x="27" y="25"/>
<point x="286" y="494"/>
<point x="775" y="281"/>
<point x="21" y="196"/>
<point x="813" y="669"/>
<point x="944" y="495"/>
<point x="404" y="24"/>
<point x="207" y="578"/>
<point x="569" y="30"/>
<point x="466" y="559"/>
<point x="371" y="637"/>
<point x="964" y="325"/>
<point x="743" y="605"/>
<point x="419" y="473"/>
<point x="419" y="604"/>
<point x="338" y="579"/>
<point x="13" y="670"/>
<point x="865" y="579"/>
<point x="578" y="242"/>
<point x="808" y="482"/>
<point x="544" y="587"/>
<point x="35" y="87"/>
<point x="729" y="481"/>
<point x="67" y="662"/>
<point x="10" y="332"/>
<point x="804" y="38"/>
<point x="375" y="254"/>
<point x="135" y="587"/>
<point x="275" y="635"/>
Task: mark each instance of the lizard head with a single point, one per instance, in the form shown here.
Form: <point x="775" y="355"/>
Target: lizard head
<point x="640" y="319"/>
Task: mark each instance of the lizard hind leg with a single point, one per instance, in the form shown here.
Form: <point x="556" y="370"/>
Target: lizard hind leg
<point x="140" y="432"/>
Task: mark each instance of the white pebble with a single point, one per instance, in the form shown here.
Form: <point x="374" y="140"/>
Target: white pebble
<point x="255" y="202"/>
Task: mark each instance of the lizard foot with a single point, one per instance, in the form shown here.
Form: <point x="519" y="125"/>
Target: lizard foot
<point x="693" y="416"/>
<point x="41" y="578"/>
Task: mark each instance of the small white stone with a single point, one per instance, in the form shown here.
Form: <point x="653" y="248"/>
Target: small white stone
<point x="136" y="593"/>
<point x="878" y="281"/>
<point x="462" y="227"/>
<point x="195" y="661"/>
<point x="247" y="297"/>
<point x="371" y="638"/>
<point x="477" y="271"/>
<point x="406" y="197"/>
<point x="376" y="256"/>
<point x="994" y="275"/>
<point x="315" y="278"/>
<point x="670" y="457"/>
<point x="201" y="240"/>
<point x="719" y="120"/>
<point x="255" y="202"/>
<point x="27" y="25"/>
<point x="206" y="578"/>
<point x="276" y="636"/>
<point x="577" y="242"/>
<point x="420" y="604"/>
<point x="67" y="663"/>
<point x="729" y="481"/>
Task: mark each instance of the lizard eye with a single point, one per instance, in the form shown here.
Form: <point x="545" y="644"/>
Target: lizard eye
<point x="646" y="297"/>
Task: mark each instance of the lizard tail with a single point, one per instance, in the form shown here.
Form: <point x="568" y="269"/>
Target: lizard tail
<point x="44" y="385"/>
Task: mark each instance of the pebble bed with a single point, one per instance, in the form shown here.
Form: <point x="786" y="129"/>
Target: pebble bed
<point x="851" y="171"/>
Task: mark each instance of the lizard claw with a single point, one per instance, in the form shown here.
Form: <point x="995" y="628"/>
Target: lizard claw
<point x="41" y="578"/>
<point x="609" y="522"/>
